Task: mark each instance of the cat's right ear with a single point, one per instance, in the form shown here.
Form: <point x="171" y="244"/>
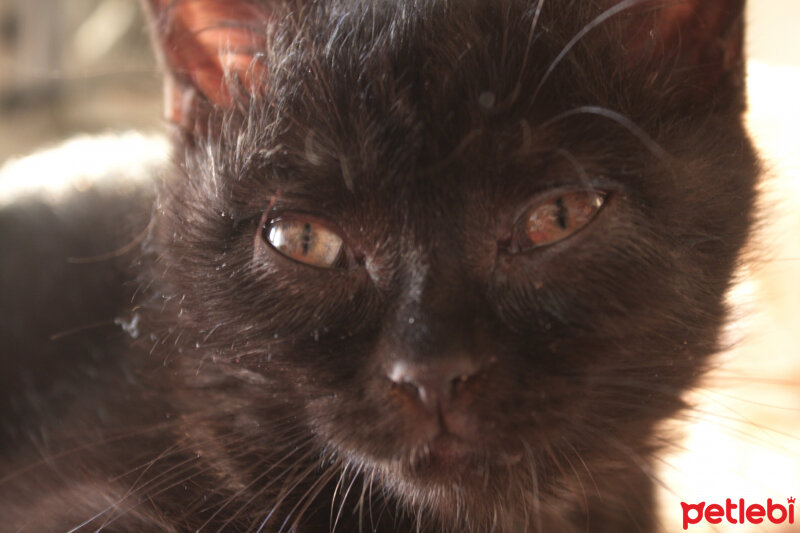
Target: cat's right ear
<point x="698" y="44"/>
<point x="213" y="53"/>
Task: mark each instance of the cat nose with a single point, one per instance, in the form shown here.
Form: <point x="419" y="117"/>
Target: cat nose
<point x="433" y="383"/>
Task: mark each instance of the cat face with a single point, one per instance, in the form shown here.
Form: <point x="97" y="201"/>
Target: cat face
<point x="457" y="249"/>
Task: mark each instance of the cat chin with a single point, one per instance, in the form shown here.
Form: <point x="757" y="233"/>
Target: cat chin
<point x="464" y="498"/>
<point x="437" y="482"/>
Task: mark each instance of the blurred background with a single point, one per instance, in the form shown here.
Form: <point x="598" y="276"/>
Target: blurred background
<point x="84" y="66"/>
<point x="69" y="66"/>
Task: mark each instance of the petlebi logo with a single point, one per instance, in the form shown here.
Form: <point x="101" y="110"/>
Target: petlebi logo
<point x="738" y="512"/>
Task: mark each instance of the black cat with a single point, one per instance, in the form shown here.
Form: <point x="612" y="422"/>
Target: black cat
<point x="416" y="266"/>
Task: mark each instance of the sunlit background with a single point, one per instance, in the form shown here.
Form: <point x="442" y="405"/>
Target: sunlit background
<point x="84" y="66"/>
<point x="73" y="66"/>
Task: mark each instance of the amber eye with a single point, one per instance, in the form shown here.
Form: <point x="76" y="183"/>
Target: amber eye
<point x="555" y="218"/>
<point x="305" y="240"/>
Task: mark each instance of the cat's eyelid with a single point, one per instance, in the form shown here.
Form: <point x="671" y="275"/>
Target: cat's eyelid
<point x="276" y="215"/>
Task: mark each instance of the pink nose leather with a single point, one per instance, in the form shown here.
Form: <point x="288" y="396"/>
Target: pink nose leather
<point x="432" y="383"/>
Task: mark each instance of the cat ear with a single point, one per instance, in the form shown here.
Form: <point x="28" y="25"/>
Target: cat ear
<point x="700" y="41"/>
<point x="211" y="50"/>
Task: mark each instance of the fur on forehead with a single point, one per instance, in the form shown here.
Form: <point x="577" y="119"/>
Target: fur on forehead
<point x="377" y="72"/>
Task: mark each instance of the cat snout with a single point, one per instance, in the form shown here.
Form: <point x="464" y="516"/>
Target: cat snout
<point x="433" y="384"/>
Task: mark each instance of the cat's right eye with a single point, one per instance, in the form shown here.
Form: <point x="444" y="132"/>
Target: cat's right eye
<point x="305" y="240"/>
<point x="556" y="217"/>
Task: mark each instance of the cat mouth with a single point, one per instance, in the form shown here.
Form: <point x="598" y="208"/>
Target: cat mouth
<point x="448" y="458"/>
<point x="444" y="450"/>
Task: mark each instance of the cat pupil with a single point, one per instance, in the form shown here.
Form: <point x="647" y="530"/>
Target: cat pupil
<point x="306" y="238"/>
<point x="562" y="213"/>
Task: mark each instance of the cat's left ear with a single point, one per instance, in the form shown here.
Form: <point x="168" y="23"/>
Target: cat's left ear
<point x="700" y="42"/>
<point x="212" y="50"/>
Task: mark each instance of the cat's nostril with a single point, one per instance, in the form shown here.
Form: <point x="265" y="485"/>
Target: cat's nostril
<point x="433" y="383"/>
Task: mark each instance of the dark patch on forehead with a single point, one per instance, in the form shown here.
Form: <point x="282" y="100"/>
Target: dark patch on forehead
<point x="389" y="92"/>
<point x="378" y="96"/>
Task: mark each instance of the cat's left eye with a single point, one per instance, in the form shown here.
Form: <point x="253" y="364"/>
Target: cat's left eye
<point x="305" y="240"/>
<point x="555" y="218"/>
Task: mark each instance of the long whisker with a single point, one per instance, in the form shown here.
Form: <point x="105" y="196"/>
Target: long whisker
<point x="309" y="497"/>
<point x="620" y="119"/>
<point x="577" y="477"/>
<point x="288" y="490"/>
<point x="247" y="487"/>
<point x="526" y="57"/>
<point x="49" y="459"/>
<point x="537" y="502"/>
<point x="285" y="491"/>
<point x="343" y="501"/>
<point x="164" y="481"/>
<point x="600" y="19"/>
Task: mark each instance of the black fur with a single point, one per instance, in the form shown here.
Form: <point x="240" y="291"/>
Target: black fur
<point x="256" y="396"/>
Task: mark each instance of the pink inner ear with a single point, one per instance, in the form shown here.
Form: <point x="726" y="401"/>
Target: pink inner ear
<point x="706" y="30"/>
<point x="205" y="41"/>
<point x="700" y="32"/>
<point x="699" y="36"/>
